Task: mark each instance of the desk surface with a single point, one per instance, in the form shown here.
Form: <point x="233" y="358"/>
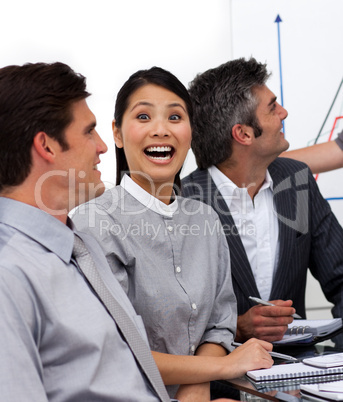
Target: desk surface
<point x="279" y="391"/>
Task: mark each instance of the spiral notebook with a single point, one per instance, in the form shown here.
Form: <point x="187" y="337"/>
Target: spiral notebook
<point x="296" y="371"/>
<point x="326" y="361"/>
<point x="309" y="331"/>
<point x="332" y="391"/>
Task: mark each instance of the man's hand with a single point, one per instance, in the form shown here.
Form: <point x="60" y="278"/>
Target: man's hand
<point x="265" y="322"/>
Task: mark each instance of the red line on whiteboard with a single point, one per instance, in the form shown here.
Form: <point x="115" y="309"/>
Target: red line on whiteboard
<point x="330" y="136"/>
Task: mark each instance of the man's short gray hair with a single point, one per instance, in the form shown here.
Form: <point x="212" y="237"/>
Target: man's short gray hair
<point x="222" y="97"/>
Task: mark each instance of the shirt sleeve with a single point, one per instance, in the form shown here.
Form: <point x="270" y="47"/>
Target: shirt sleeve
<point x="221" y="328"/>
<point x="339" y="140"/>
<point x="21" y="372"/>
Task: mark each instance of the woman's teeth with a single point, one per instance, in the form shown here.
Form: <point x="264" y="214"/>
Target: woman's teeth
<point x="159" y="153"/>
<point x="158" y="149"/>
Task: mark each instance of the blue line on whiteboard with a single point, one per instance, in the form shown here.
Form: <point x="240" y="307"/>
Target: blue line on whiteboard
<point x="334" y="198"/>
<point x="278" y="20"/>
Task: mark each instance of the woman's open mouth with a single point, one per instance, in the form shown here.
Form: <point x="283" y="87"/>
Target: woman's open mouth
<point x="160" y="153"/>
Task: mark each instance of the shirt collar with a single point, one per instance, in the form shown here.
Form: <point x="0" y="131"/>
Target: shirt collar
<point x="228" y="188"/>
<point x="268" y="182"/>
<point x="39" y="225"/>
<point x="147" y="199"/>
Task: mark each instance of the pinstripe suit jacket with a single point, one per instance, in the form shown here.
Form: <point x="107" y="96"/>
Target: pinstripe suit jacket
<point x="309" y="233"/>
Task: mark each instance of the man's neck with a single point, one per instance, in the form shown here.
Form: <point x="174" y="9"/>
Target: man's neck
<point x="245" y="175"/>
<point x="24" y="195"/>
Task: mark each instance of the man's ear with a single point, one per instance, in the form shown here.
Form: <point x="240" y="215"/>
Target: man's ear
<point x="117" y="135"/>
<point x="45" y="146"/>
<point x="242" y="133"/>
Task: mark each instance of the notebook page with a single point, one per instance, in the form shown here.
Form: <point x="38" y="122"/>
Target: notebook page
<point x="290" y="371"/>
<point x="334" y="394"/>
<point x="330" y="360"/>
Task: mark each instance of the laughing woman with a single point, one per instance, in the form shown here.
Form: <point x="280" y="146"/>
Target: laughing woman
<point x="169" y="253"/>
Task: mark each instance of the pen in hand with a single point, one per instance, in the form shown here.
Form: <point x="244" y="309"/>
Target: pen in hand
<point x="273" y="354"/>
<point x="265" y="303"/>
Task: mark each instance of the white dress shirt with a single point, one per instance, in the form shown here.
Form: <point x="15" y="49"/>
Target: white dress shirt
<point x="257" y="225"/>
<point x="147" y="200"/>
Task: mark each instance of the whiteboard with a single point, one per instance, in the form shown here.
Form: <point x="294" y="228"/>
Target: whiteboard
<point x="308" y="42"/>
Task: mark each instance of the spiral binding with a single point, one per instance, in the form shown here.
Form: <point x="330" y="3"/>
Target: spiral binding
<point x="298" y="330"/>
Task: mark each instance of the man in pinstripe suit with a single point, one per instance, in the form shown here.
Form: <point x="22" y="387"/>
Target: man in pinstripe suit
<point x="276" y="222"/>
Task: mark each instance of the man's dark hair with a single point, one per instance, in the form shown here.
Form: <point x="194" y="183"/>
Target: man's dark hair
<point x="222" y="97"/>
<point x="33" y="98"/>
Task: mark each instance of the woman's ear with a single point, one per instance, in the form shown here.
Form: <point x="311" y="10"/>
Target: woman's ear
<point x="117" y="135"/>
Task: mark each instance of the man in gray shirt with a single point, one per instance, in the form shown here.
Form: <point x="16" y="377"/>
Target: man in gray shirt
<point x="58" y="342"/>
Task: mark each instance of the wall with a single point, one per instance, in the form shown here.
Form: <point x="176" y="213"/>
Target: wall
<point x="109" y="40"/>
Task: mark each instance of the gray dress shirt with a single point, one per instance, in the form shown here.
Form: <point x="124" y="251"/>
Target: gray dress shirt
<point x="173" y="263"/>
<point x="58" y="343"/>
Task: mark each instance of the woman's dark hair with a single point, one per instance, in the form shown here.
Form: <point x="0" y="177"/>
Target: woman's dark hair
<point x="157" y="76"/>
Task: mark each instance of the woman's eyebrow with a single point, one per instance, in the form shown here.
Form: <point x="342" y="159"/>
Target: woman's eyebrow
<point x="142" y="103"/>
<point x="176" y="104"/>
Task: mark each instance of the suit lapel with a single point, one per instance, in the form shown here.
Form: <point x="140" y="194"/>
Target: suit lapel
<point x="284" y="198"/>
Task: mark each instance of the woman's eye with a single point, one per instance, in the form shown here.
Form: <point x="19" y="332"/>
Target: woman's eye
<point x="175" y="117"/>
<point x="143" y="116"/>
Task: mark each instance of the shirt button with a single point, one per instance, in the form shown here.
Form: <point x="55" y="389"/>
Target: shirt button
<point x="178" y="269"/>
<point x="194" y="306"/>
<point x="193" y="348"/>
<point x="170" y="228"/>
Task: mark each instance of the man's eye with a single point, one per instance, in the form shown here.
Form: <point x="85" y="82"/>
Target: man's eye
<point x="143" y="116"/>
<point x="175" y="117"/>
